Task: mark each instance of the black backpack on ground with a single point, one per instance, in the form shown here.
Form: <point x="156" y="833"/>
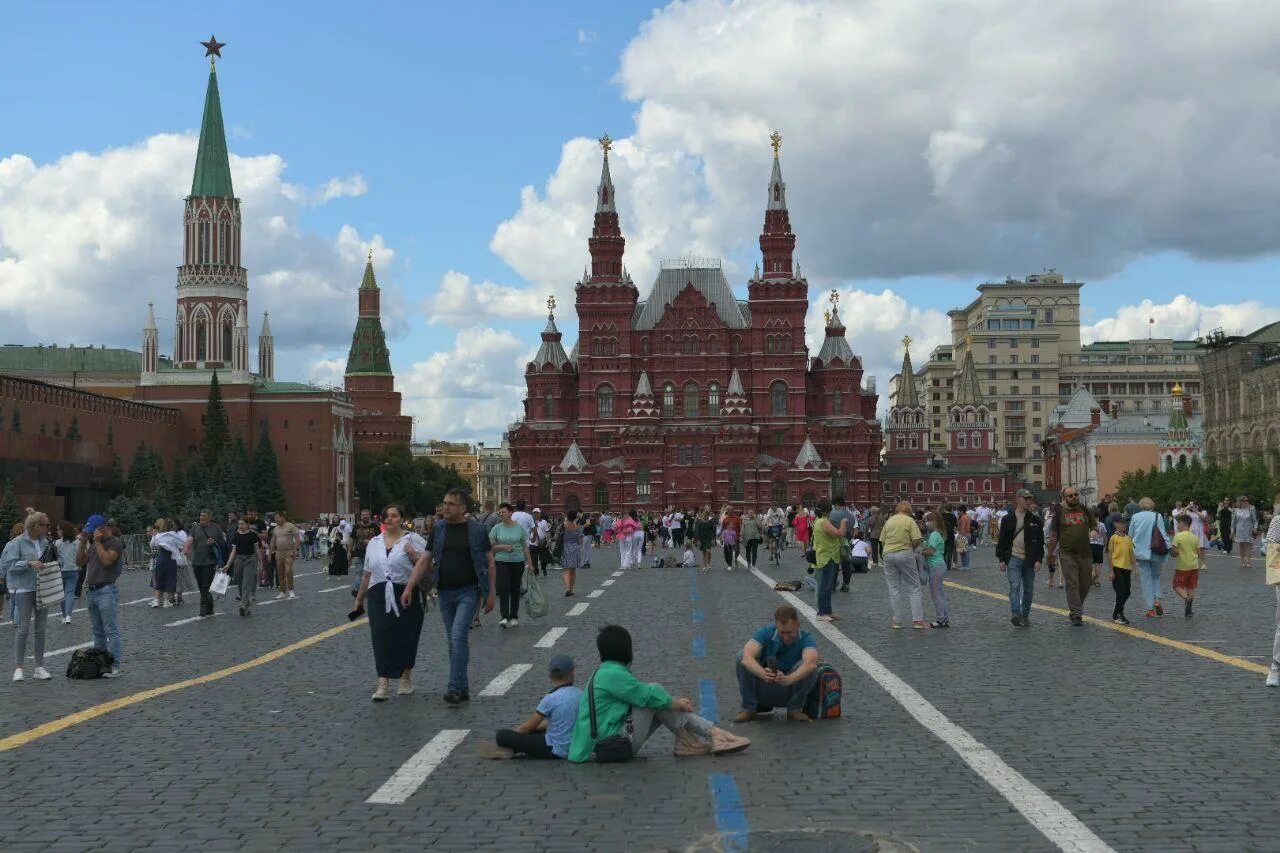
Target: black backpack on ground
<point x="90" y="663"/>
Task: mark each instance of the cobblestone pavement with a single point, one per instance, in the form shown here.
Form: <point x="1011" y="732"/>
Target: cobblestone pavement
<point x="1134" y="744"/>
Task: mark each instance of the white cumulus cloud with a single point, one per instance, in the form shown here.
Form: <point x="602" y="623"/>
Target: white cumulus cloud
<point x="1181" y="318"/>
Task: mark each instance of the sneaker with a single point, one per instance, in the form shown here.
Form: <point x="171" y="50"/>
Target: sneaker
<point x="1273" y="679"/>
<point x="292" y="594"/>
<point x="502" y="623"/>
<point x="513" y="623"/>
<point x="1188" y="608"/>
<point x="406" y="686"/>
<point x="726" y="743"/>
<point x="154" y="604"/>
<point x="1016" y="620"/>
<point x="41" y="674"/>
<point x="380" y="694"/>
<point x="464" y="696"/>
<point x="1159" y="608"/>
<point x="114" y="673"/>
<point x="17" y="674"/>
<point x="66" y="620"/>
<point x="453" y="698"/>
<point x="280" y="596"/>
<point x="799" y="717"/>
<point x="1077" y="621"/>
<point x="242" y="610"/>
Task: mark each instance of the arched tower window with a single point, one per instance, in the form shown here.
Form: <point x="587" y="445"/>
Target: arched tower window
<point x="668" y="400"/>
<point x="737" y="488"/>
<point x="548" y="406"/>
<point x="226" y="342"/>
<point x="778" y="494"/>
<point x="837" y="402"/>
<point x="839" y="481"/>
<point x="713" y="399"/>
<point x="602" y="496"/>
<point x="202" y="341"/>
<point x="691" y="400"/>
<point x="604" y="401"/>
<point x="778" y="397"/>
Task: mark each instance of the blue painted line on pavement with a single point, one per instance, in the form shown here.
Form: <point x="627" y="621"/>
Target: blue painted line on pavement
<point x="731" y="818"/>
<point x="710" y="709"/>
<point x="697" y="615"/>
<point x="699" y="646"/>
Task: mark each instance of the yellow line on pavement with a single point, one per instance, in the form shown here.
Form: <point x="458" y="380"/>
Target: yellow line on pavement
<point x="54" y="726"/>
<point x="1230" y="660"/>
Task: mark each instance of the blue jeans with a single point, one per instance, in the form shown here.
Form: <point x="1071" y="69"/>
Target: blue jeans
<point x="826" y="583"/>
<point x="69" y="591"/>
<point x="1022" y="583"/>
<point x="458" y="607"/>
<point x="104" y="607"/>
<point x="1149" y="574"/>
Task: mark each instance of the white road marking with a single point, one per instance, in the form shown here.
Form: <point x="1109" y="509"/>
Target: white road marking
<point x="578" y="609"/>
<point x="1046" y="814"/>
<point x="549" y="639"/>
<point x="617" y="574"/>
<point x="506" y="679"/>
<point x="189" y="620"/>
<point x="415" y="771"/>
<point x="336" y="588"/>
<point x="57" y="652"/>
<point x="609" y="582"/>
<point x="595" y="593"/>
<point x="309" y="574"/>
<point x="273" y="601"/>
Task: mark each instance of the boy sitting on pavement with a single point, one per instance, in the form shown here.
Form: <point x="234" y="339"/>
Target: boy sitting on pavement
<point x="546" y="734"/>
<point x="778" y="667"/>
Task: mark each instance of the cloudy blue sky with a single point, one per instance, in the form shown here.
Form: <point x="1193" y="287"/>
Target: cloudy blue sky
<point x="928" y="147"/>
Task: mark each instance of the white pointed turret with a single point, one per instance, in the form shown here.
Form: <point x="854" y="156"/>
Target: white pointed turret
<point x="240" y="346"/>
<point x="735" y="403"/>
<point x="266" y="350"/>
<point x="573" y="458"/>
<point x="643" y="404"/>
<point x="604" y="192"/>
<point x="808" y="456"/>
<point x="150" y="344"/>
<point x="777" y="187"/>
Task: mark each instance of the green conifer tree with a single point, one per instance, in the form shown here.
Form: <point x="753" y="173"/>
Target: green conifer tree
<point x="217" y="432"/>
<point x="268" y="491"/>
<point x="10" y="512"/>
<point x="73" y="431"/>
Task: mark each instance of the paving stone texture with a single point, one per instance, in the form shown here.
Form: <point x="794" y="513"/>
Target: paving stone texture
<point x="1150" y="747"/>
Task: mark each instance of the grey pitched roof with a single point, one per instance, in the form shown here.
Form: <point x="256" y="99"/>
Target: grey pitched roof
<point x="709" y="281"/>
<point x="908" y="398"/>
<point x="643" y="388"/>
<point x="604" y="192"/>
<point x="779" y="203"/>
<point x="835" y="345"/>
<point x="551" y="352"/>
<point x="735" y="384"/>
<point x="1078" y="411"/>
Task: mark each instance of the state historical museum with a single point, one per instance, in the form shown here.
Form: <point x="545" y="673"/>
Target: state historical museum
<point x="692" y="396"/>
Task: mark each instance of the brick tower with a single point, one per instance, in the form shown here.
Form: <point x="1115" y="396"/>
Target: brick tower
<point x="212" y="284"/>
<point x="368" y="378"/>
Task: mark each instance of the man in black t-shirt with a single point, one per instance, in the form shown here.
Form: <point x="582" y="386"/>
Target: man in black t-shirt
<point x="460" y="555"/>
<point x="365" y="530"/>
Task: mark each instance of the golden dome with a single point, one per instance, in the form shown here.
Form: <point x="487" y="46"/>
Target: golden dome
<point x="1177" y="389"/>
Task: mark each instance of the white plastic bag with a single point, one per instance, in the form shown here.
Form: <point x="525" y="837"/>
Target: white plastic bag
<point x="221" y="581"/>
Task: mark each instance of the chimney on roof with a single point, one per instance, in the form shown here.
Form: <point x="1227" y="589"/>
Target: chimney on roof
<point x="1095" y="417"/>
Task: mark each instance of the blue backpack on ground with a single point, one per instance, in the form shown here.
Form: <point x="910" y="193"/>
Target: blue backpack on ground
<point x="823" y="702"/>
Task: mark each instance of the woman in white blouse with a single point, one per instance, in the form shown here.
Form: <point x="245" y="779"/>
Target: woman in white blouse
<point x="388" y="563"/>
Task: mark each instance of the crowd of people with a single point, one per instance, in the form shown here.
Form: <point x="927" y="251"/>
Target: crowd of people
<point x="464" y="559"/>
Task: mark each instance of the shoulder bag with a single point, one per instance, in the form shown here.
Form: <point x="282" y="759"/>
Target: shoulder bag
<point x="1158" y="544"/>
<point x="49" y="589"/>
<point x="614" y="748"/>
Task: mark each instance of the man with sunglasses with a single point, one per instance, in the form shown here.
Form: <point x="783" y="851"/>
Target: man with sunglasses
<point x="1069" y="545"/>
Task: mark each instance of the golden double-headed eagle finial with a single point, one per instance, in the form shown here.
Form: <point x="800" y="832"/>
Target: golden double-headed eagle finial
<point x="551" y="306"/>
<point x="826" y="315"/>
<point x="605" y="144"/>
<point x="906" y="341"/>
<point x="775" y="139"/>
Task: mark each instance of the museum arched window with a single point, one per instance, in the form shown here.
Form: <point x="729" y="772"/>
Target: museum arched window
<point x="642" y="483"/>
<point x="602" y="497"/>
<point x="604" y="401"/>
<point x="668" y="400"/>
<point x="548" y="405"/>
<point x="778" y="397"/>
<point x="839" y="481"/>
<point x="691" y="400"/>
<point x="837" y="402"/>
<point x="689" y="346"/>
<point x="713" y="400"/>
<point x="737" y="489"/>
<point x="778" y="494"/>
<point x="544" y="488"/>
<point x="572" y="504"/>
<point x="644" y="346"/>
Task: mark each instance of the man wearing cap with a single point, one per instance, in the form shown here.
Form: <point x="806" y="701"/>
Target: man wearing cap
<point x="547" y="733"/>
<point x="540" y="542"/>
<point x="101" y="552"/>
<point x="1019" y="550"/>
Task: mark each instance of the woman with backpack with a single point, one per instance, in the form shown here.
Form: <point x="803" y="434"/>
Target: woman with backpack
<point x="1151" y="543"/>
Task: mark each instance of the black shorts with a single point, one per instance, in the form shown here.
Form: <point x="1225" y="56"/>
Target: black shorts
<point x="1097" y="553"/>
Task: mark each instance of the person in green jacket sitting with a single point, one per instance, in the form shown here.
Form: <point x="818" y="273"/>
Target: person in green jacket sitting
<point x="624" y="701"/>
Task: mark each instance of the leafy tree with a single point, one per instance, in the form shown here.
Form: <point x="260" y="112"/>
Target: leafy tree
<point x="268" y="491"/>
<point x="10" y="512"/>
<point x="73" y="431"/>
<point x="394" y="475"/>
<point x="217" y="432"/>
<point x="1204" y="484"/>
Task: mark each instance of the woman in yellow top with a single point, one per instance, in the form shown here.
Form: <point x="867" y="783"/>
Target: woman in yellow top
<point x="827" y="539"/>
<point x="1120" y="555"/>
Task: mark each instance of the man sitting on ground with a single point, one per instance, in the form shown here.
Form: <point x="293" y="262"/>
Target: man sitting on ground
<point x="778" y="667"/>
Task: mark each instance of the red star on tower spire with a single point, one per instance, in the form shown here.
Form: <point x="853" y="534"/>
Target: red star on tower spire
<point x="213" y="47"/>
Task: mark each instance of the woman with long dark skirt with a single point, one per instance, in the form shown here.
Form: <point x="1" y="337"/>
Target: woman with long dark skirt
<point x="389" y="562"/>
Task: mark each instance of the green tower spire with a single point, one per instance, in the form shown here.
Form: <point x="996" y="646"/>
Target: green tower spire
<point x="369" y="354"/>
<point x="213" y="169"/>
